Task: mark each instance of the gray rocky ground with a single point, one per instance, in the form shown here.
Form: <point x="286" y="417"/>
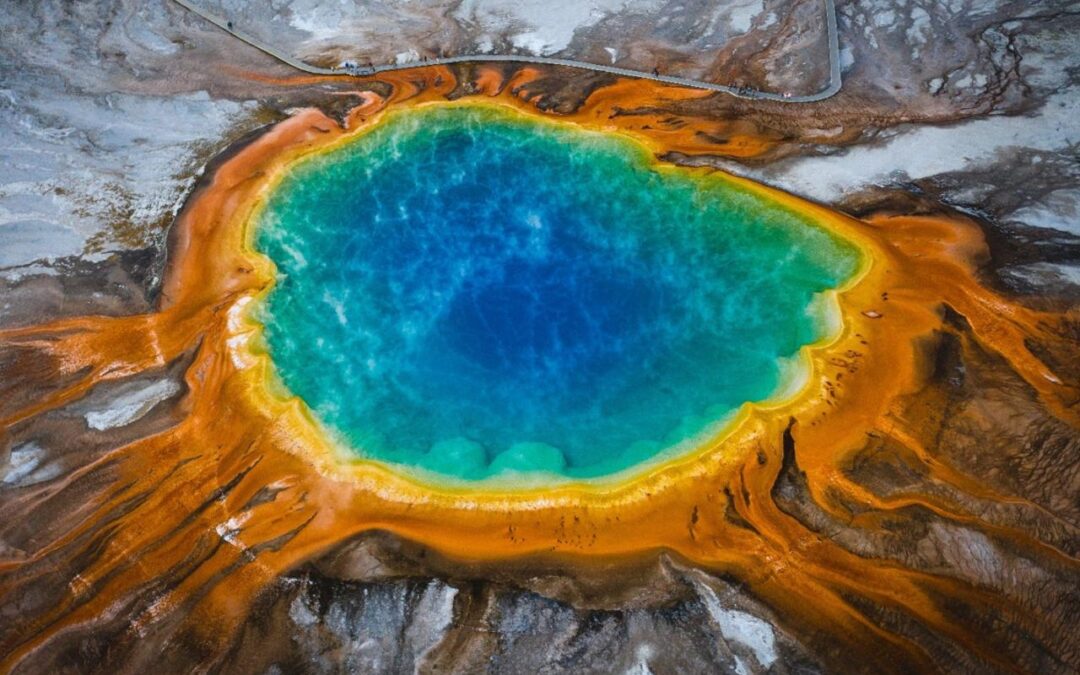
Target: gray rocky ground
<point x="111" y="110"/>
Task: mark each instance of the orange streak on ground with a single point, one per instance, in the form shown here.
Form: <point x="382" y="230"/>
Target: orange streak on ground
<point x="488" y="82"/>
<point x="224" y="547"/>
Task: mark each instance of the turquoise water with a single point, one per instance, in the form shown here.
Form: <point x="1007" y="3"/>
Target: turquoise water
<point x="468" y="291"/>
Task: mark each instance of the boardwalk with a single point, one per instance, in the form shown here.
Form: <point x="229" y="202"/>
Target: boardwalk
<point x="740" y="92"/>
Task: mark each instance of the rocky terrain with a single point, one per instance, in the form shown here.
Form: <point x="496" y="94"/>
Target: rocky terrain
<point x="112" y="112"/>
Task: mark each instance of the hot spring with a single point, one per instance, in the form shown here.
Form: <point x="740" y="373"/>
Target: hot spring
<point x="468" y="292"/>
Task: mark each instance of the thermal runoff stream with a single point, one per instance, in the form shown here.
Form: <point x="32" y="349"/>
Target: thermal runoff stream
<point x="472" y="293"/>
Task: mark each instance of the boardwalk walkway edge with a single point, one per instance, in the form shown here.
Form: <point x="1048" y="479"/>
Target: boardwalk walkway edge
<point x="740" y="92"/>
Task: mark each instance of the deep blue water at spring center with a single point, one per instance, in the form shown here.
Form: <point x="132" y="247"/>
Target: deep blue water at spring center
<point x="468" y="291"/>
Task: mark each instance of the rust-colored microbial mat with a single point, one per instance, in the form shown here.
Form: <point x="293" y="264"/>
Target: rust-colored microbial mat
<point x="184" y="527"/>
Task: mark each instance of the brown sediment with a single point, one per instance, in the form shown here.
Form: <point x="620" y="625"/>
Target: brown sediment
<point x="202" y="516"/>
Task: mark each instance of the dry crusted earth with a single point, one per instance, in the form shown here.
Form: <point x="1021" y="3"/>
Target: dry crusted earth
<point x="110" y="112"/>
